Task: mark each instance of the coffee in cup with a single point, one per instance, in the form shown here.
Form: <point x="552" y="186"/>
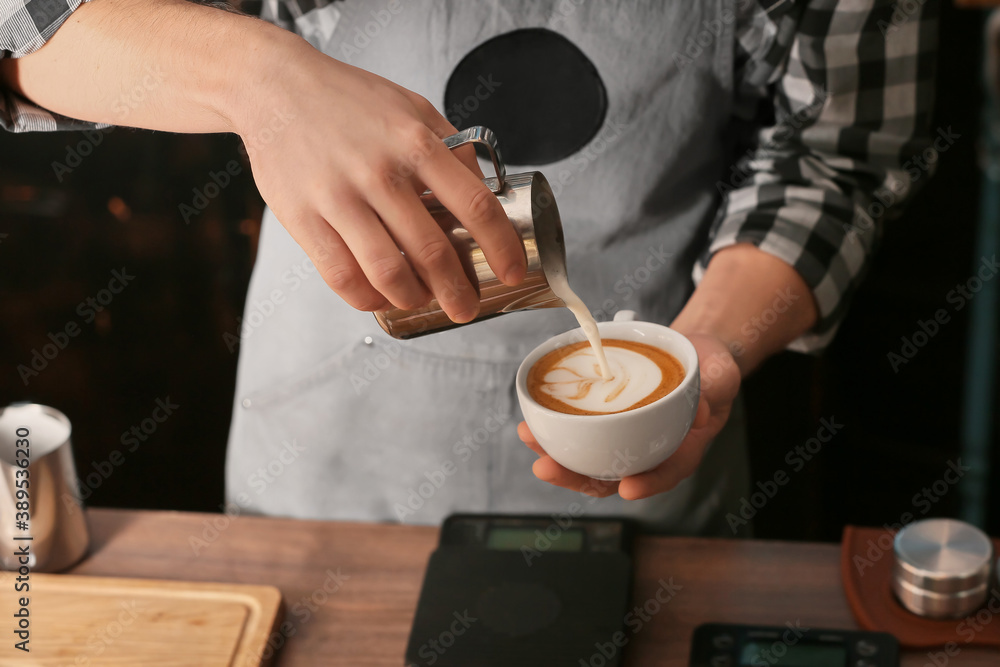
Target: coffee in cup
<point x="632" y="438"/>
<point x="570" y="380"/>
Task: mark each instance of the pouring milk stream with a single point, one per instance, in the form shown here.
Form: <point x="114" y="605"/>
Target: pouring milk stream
<point x="560" y="287"/>
<point x="530" y="206"/>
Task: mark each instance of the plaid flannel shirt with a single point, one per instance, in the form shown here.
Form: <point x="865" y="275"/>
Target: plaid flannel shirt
<point x="836" y="98"/>
<point x="25" y="25"/>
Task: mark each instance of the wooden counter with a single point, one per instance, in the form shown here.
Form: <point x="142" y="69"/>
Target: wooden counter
<point x="350" y="589"/>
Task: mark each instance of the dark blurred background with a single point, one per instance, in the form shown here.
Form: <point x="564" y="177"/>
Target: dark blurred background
<point x="75" y="207"/>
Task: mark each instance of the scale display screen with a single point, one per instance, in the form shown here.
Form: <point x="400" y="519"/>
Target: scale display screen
<point x="502" y="538"/>
<point x="763" y="654"/>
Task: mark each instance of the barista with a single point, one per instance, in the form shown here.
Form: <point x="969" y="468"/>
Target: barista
<point x="739" y="143"/>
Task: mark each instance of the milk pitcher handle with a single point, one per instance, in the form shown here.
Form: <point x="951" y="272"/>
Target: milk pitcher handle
<point x="477" y="134"/>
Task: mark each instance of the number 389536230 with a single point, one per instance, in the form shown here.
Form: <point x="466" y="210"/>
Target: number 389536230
<point x="22" y="458"/>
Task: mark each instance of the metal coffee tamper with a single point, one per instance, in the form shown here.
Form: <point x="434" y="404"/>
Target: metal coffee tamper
<point x="943" y="568"/>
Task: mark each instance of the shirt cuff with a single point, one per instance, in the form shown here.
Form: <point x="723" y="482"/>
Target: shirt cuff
<point x="19" y="115"/>
<point x="829" y="258"/>
<point x="25" y="27"/>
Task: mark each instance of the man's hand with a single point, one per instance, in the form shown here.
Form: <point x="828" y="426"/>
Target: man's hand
<point x="344" y="178"/>
<point x="742" y="287"/>
<point x="720" y="382"/>
<point x="339" y="154"/>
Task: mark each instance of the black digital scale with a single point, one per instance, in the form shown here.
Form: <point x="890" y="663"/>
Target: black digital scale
<point x="732" y="645"/>
<point x="546" y="591"/>
<point x="525" y="590"/>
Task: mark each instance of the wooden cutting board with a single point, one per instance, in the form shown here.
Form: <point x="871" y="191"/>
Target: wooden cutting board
<point x="99" y="621"/>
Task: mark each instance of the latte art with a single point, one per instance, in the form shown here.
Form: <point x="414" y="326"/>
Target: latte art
<point x="569" y="379"/>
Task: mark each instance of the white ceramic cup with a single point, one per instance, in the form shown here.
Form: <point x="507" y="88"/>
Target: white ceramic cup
<point x="617" y="445"/>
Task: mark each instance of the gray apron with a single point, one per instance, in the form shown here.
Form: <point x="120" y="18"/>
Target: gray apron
<point x="333" y="419"/>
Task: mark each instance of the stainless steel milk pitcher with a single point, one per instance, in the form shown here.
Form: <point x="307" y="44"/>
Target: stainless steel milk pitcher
<point x="42" y="524"/>
<point x="529" y="204"/>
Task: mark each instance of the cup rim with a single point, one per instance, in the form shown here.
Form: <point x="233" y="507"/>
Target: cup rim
<point x="521" y="381"/>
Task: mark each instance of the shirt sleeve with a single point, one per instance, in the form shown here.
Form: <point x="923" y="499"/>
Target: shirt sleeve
<point x="279" y="12"/>
<point x="25" y="25"/>
<point x="848" y="87"/>
<point x="292" y="15"/>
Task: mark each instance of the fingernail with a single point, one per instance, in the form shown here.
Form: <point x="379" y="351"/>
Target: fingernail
<point x="467" y="315"/>
<point x="628" y="496"/>
<point x="514" y="275"/>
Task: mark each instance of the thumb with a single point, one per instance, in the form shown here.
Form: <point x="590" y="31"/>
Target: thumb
<point x="704" y="414"/>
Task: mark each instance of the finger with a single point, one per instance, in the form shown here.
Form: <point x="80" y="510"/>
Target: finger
<point x="671" y="472"/>
<point x="443" y="128"/>
<point x="428" y="251"/>
<point x="527" y="438"/>
<point x="478" y="210"/>
<point x="378" y="256"/>
<point x="431" y="117"/>
<point x="547" y="470"/>
<point x="335" y="263"/>
<point x="467" y="155"/>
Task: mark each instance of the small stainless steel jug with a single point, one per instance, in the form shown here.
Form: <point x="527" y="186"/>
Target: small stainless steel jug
<point x="42" y="524"/>
<point x="529" y="203"/>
